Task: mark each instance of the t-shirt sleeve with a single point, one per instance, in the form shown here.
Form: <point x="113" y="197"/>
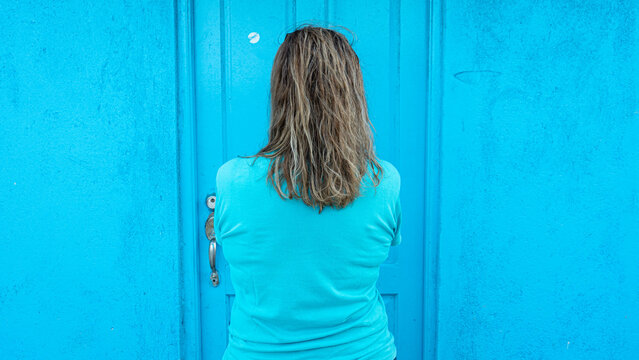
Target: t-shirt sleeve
<point x="397" y="235"/>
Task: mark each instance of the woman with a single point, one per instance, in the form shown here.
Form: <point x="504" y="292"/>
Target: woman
<point x="305" y="224"/>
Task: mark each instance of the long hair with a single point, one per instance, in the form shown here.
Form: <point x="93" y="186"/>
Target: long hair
<point x="320" y="139"/>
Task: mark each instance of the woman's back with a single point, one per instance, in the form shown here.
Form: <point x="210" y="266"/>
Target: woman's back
<point x="305" y="281"/>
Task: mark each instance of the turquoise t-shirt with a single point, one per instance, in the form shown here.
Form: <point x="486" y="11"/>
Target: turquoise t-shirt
<point x="305" y="283"/>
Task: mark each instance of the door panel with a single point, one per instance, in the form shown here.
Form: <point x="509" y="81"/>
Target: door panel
<point x="234" y="46"/>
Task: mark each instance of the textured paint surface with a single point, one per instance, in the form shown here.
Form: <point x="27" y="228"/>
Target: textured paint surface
<point x="539" y="119"/>
<point x="539" y="247"/>
<point x="88" y="179"/>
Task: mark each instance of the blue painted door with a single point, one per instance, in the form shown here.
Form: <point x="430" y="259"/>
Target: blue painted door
<point x="234" y="46"/>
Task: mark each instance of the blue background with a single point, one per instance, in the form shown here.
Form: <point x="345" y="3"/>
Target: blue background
<point x="530" y="198"/>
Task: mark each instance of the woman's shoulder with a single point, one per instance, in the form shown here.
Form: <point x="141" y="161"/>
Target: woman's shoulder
<point x="391" y="174"/>
<point x="229" y="170"/>
<point x="389" y="168"/>
<point x="226" y="169"/>
<point x="237" y="168"/>
<point x="389" y="181"/>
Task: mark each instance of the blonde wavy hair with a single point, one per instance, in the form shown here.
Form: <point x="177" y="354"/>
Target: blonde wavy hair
<point x="320" y="139"/>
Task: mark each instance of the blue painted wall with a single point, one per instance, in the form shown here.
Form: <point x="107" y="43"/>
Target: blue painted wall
<point x="539" y="246"/>
<point x="89" y="222"/>
<point x="532" y="190"/>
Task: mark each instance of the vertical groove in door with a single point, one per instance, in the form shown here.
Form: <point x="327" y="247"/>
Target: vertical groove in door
<point x="225" y="62"/>
<point x="326" y="12"/>
<point x="435" y="31"/>
<point x="291" y="15"/>
<point x="190" y="331"/>
<point x="394" y="71"/>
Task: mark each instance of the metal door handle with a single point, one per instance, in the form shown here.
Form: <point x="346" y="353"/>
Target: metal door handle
<point x="209" y="230"/>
